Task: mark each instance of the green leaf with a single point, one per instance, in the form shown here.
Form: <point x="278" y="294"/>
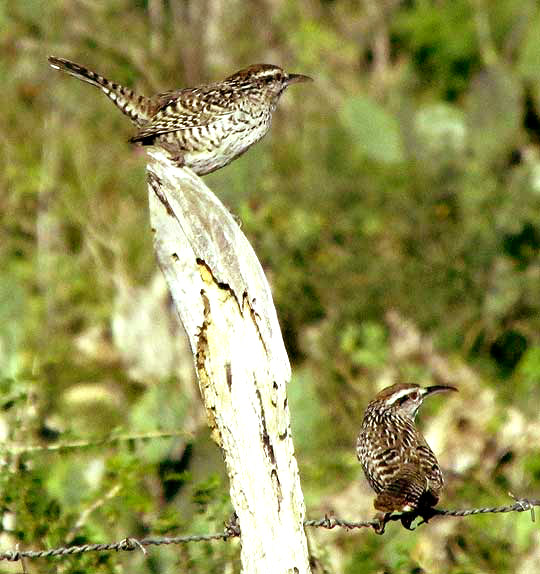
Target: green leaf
<point x="529" y="58"/>
<point x="441" y="128"/>
<point x="494" y="113"/>
<point x="375" y="131"/>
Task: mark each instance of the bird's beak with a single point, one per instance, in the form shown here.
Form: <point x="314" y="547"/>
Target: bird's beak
<point x="438" y="389"/>
<point x="297" y="78"/>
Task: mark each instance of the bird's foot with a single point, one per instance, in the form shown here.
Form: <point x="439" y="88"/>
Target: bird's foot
<point x="175" y="156"/>
<point x="407" y="518"/>
<point x="380" y="520"/>
<point x="177" y="159"/>
<point x="426" y="514"/>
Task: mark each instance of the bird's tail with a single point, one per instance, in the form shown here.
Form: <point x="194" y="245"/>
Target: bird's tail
<point x="138" y="108"/>
<point x="408" y="491"/>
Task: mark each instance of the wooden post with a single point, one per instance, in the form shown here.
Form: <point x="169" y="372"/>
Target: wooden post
<point x="224" y="302"/>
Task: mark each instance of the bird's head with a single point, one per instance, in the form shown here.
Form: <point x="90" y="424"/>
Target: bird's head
<point x="405" y="398"/>
<point x="268" y="79"/>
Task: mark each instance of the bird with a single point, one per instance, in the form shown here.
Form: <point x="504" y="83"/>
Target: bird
<point x="205" y="127"/>
<point x="397" y="461"/>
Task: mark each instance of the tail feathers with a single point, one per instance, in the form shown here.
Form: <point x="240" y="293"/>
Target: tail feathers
<point x="138" y="108"/>
<point x="79" y="72"/>
<point x="409" y="490"/>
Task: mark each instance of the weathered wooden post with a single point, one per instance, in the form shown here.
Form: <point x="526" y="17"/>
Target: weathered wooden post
<point x="224" y="302"/>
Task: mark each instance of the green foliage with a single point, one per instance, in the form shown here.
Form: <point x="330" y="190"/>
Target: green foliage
<point x="443" y="57"/>
<point x="374" y="131"/>
<point x="494" y="111"/>
<point x="405" y="178"/>
<point x="206" y="492"/>
<point x="365" y="344"/>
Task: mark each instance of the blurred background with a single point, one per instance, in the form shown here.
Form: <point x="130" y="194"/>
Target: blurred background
<point x="395" y="206"/>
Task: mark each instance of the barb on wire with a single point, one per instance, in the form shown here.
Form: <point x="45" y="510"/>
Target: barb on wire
<point x="232" y="530"/>
<point x="333" y="522"/>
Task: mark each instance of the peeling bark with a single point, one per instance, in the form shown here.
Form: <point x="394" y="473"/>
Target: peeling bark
<point x="224" y="302"/>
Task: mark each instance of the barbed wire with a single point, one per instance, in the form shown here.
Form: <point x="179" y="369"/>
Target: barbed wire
<point x="232" y="530"/>
<point x="127" y="544"/>
<point x="520" y="505"/>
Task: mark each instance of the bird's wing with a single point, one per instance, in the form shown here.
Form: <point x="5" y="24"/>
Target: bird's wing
<point x="429" y="467"/>
<point x="383" y="464"/>
<point x="182" y="110"/>
<point x="404" y="491"/>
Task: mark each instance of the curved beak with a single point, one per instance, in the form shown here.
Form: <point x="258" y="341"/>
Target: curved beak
<point x="297" y="78"/>
<point x="438" y="389"/>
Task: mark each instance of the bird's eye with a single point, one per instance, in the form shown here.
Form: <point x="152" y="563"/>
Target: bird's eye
<point x="415" y="396"/>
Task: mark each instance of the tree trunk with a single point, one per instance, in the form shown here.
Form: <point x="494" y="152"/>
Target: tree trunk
<point x="224" y="302"/>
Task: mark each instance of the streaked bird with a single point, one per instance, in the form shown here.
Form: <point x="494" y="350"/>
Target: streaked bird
<point x="397" y="461"/>
<point x="203" y="128"/>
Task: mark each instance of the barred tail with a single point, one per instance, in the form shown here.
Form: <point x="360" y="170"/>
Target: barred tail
<point x="139" y="109"/>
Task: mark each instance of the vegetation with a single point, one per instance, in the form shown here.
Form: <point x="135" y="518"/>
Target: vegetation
<point x="395" y="206"/>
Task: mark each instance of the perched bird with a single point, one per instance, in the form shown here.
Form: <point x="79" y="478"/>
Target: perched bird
<point x="203" y="128"/>
<point x="397" y="461"/>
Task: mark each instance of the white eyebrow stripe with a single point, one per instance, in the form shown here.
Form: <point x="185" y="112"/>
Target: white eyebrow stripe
<point x="400" y="395"/>
<point x="270" y="72"/>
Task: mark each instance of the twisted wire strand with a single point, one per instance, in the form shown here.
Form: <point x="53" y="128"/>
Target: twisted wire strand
<point x="127" y="544"/>
<point x="232" y="530"/>
<point x="521" y="505"/>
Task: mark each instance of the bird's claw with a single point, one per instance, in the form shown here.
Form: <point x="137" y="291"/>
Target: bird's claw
<point x="407" y="519"/>
<point x="380" y="521"/>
